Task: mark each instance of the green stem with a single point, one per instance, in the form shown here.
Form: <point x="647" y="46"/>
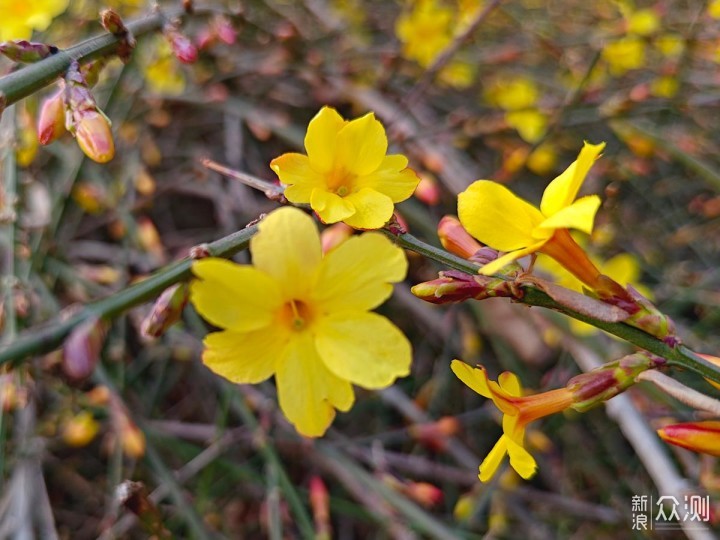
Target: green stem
<point x="31" y="78"/>
<point x="47" y="338"/>
<point x="679" y="356"/>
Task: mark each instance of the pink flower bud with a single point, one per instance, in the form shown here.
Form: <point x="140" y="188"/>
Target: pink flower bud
<point x="94" y="137"/>
<point x="182" y="47"/>
<point x="81" y="351"/>
<point x="51" y="123"/>
<point x="166" y="311"/>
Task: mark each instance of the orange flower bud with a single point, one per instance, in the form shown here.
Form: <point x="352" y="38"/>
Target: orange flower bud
<point x="456" y="239"/>
<point x="425" y="494"/>
<point x="95" y="138"/>
<point x="703" y="437"/>
<point x="131" y="437"/>
<point x="428" y="190"/>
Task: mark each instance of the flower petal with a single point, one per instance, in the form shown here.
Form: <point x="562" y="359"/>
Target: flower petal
<point x="321" y="139"/>
<point x="287" y="247"/>
<point x="244" y="357"/>
<point x="233" y="296"/>
<point x="492" y="461"/>
<point x="372" y="209"/>
<point x="474" y="377"/>
<point x="579" y="215"/>
<point x="521" y="460"/>
<point x="363" y="348"/>
<point x="358" y="274"/>
<point x="361" y="146"/>
<point x="307" y="390"/>
<point x="330" y="207"/>
<point x="492" y="267"/>
<point x="295" y="171"/>
<point x="510" y="383"/>
<point x="497" y="217"/>
<point x="562" y="191"/>
<point x="392" y="178"/>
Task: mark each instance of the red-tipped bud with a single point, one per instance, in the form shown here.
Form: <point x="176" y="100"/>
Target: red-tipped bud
<point x="425" y="494"/>
<point x="703" y="437"/>
<point x="651" y="320"/>
<point x="434" y="435"/>
<point x="94" y="137"/>
<point x="428" y="190"/>
<point x="456" y="239"/>
<point x="167" y="310"/>
<point x="335" y="235"/>
<point x="454" y="286"/>
<point x="182" y="47"/>
<point x="81" y="351"/>
<point x="26" y="51"/>
<point x="51" y="123"/>
<point x="320" y="504"/>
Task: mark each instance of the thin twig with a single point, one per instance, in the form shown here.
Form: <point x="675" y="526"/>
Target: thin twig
<point x="682" y="393"/>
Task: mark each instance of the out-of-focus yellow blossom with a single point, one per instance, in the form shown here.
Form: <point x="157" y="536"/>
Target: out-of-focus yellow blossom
<point x="457" y="74"/>
<point x="624" y="54"/>
<point x="80" y="430"/>
<point x="518" y="97"/>
<point x="424" y="31"/>
<point x="666" y="86"/>
<point x="531" y="125"/>
<point x="670" y="45"/>
<point x="543" y="159"/>
<point x="467" y="10"/>
<point x="714" y="9"/>
<point x="27" y="143"/>
<point x="623" y="268"/>
<point x="497" y="217"/>
<point x="518" y="411"/>
<point x="346" y="174"/>
<point x="304" y="317"/>
<point x="19" y="19"/>
<point x="643" y="22"/>
<point x="162" y="70"/>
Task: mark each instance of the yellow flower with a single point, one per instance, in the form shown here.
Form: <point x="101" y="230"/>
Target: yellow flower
<point x="162" y="71"/>
<point x="518" y="412"/>
<point x="513" y="93"/>
<point x="19" y="19"/>
<point x="624" y="54"/>
<point x="714" y="9"/>
<point x="530" y="124"/>
<point x="643" y="22"/>
<point x="425" y="31"/>
<point x="304" y="317"/>
<point x="503" y="221"/>
<point x="666" y="86"/>
<point x="346" y="175"/>
<point x="703" y="437"/>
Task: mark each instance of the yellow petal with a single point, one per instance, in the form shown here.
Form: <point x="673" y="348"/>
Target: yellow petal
<point x="392" y="178"/>
<point x="321" y="139"/>
<point x="330" y="207"/>
<point x="233" y="296"/>
<point x="358" y="274"/>
<point x="287" y="247"/>
<point x="493" y="267"/>
<point x="562" y="191"/>
<point x="521" y="460"/>
<point x="510" y="383"/>
<point x="490" y="464"/>
<point x="294" y="170"/>
<point x="530" y="124"/>
<point x="476" y="378"/>
<point x="372" y="209"/>
<point x="497" y="217"/>
<point x="361" y="145"/>
<point x="244" y="357"/>
<point x="363" y="348"/>
<point x="579" y="215"/>
<point x="307" y="390"/>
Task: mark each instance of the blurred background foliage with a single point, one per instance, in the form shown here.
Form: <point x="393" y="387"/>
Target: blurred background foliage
<point x="527" y="82"/>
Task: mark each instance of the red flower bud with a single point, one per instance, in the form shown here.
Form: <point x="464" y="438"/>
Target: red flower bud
<point x="51" y="123"/>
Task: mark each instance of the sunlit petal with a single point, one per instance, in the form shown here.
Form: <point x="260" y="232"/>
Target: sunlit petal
<point x="294" y="170"/>
<point x="358" y="274"/>
<point x="474" y="377"/>
<point x="521" y="460"/>
<point x="330" y="207"/>
<point x="392" y="178"/>
<point x="562" y="191"/>
<point x="287" y="247"/>
<point x="498" y="264"/>
<point x="321" y="138"/>
<point x="363" y="348"/>
<point x="233" y="296"/>
<point x="372" y="209"/>
<point x="361" y="145"/>
<point x="579" y="215"/>
<point x="497" y="217"/>
<point x="492" y="461"/>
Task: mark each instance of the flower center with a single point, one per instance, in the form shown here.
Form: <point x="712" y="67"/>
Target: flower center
<point x="340" y="182"/>
<point x="296" y="315"/>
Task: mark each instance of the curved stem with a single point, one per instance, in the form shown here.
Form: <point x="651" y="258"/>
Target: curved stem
<point x="50" y="336"/>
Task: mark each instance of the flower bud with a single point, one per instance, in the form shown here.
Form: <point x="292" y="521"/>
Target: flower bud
<point x="82" y="348"/>
<point x="94" y="137"/>
<point x="320" y="504"/>
<point x="434" y="435"/>
<point x="607" y="381"/>
<point x="456" y="239"/>
<point x="51" y="123"/>
<point x="80" y="430"/>
<point x="167" y="310"/>
<point x="335" y="235"/>
<point x="427" y="190"/>
<point x="651" y="320"/>
<point x="423" y="493"/>
<point x="703" y="437"/>
<point x="26" y="51"/>
<point x="224" y="30"/>
<point x="182" y="47"/>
